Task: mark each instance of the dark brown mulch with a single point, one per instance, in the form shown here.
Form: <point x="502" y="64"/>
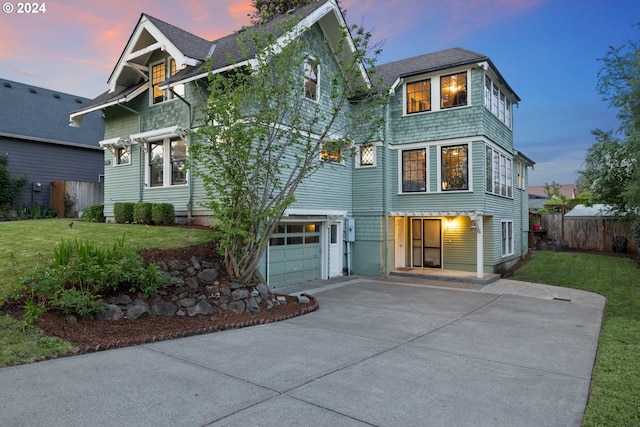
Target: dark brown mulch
<point x="95" y="335"/>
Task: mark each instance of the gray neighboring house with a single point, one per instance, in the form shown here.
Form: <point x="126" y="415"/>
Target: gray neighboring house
<point x="36" y="137"/>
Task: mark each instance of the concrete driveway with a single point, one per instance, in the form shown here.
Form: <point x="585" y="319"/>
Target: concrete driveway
<point x="377" y="352"/>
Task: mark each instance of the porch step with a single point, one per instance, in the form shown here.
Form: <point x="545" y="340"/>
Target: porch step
<point x="447" y="275"/>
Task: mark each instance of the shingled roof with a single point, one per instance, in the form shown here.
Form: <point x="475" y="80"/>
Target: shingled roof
<point x="387" y="74"/>
<point x="222" y="52"/>
<point x="30" y="112"/>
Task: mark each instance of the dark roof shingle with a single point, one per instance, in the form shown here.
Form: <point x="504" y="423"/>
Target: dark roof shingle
<point x="34" y="112"/>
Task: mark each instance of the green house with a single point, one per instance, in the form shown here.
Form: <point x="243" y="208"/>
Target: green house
<point x="442" y="190"/>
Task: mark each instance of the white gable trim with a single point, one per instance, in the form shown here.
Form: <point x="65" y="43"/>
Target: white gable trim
<point x="162" y="44"/>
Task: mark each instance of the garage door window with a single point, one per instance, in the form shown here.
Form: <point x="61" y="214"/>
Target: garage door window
<point x="295" y="234"/>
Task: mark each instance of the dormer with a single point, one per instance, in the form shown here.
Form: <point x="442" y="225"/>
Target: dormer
<point x="155" y="51"/>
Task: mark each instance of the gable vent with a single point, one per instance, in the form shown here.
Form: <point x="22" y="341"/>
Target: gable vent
<point x="7" y="84"/>
<point x="32" y="90"/>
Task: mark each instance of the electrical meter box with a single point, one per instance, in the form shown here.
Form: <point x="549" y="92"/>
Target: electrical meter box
<point x="349" y="230"/>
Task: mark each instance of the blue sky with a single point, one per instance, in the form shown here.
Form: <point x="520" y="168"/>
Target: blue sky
<point x="547" y="50"/>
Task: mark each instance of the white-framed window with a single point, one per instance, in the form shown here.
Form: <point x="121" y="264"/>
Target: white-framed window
<point x="453" y="90"/>
<point x="311" y="79"/>
<point x="365" y="156"/>
<point x="414" y="171"/>
<point x="418" y="96"/>
<point x="436" y="93"/>
<point x="496" y="101"/>
<point x="166" y="162"/>
<point x="454" y="167"/>
<point x="499" y="173"/>
<point x="122" y="156"/>
<point x="507" y="237"/>
<point x="160" y="71"/>
<point x="522" y="169"/>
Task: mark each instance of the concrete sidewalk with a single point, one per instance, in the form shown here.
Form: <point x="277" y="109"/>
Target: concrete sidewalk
<point x="377" y="352"/>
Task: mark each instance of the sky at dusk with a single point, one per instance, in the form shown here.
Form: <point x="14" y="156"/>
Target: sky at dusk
<point x="547" y="50"/>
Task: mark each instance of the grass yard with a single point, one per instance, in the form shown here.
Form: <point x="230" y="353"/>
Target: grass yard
<point x="29" y="244"/>
<point x="615" y="389"/>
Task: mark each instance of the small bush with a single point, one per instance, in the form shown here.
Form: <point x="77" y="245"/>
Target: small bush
<point x="163" y="213"/>
<point x="123" y="212"/>
<point x="94" y="213"/>
<point x="81" y="272"/>
<point x="142" y="213"/>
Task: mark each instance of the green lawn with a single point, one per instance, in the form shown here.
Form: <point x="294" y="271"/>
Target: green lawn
<point x="29" y="244"/>
<point x="615" y="389"/>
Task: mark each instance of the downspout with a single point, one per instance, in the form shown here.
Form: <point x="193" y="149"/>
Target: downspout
<point x="141" y="171"/>
<point x="385" y="206"/>
<point x="189" y="170"/>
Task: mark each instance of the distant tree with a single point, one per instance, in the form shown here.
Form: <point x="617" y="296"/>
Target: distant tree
<point x="613" y="163"/>
<point x="9" y="186"/>
<point x="260" y="138"/>
<point x="264" y="10"/>
<point x="552" y="191"/>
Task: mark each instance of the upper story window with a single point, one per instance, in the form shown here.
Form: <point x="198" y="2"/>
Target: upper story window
<point x="499" y="169"/>
<point x="365" y="156"/>
<point x="453" y="90"/>
<point x="311" y="86"/>
<point x="496" y="101"/>
<point x="522" y="169"/>
<point x="455" y="167"/>
<point x="414" y="171"/>
<point x="122" y="156"/>
<point x="167" y="162"/>
<point x="419" y="96"/>
<point x="161" y="71"/>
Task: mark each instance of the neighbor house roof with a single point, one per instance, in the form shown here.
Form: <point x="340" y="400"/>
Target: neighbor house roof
<point x="596" y="210"/>
<point x="34" y="113"/>
<point x="567" y="190"/>
<point x="387" y="74"/>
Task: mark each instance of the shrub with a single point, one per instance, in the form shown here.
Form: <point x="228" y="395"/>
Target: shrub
<point x="81" y="273"/>
<point x="123" y="212"/>
<point x="163" y="213"/>
<point x="142" y="213"/>
<point x="94" y="213"/>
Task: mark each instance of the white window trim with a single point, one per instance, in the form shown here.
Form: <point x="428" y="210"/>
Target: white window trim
<point x="425" y="147"/>
<point x="318" y="76"/>
<point x="510" y="240"/>
<point x="502" y="112"/>
<point x="168" y="93"/>
<point x="508" y="177"/>
<point x="469" y="166"/>
<point x="375" y="156"/>
<point x="435" y="91"/>
<point x="166" y="166"/>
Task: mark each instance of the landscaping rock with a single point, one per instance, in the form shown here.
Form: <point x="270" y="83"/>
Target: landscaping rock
<point x="302" y="299"/>
<point x="121" y="300"/>
<point x="208" y="275"/>
<point x="195" y="263"/>
<point x="71" y="319"/>
<point x="237" y="307"/>
<point x="203" y="307"/>
<point x="239" y="294"/>
<point x="187" y="302"/>
<point x="164" y="309"/>
<point x="112" y="314"/>
<point x="138" y="311"/>
<point x="252" y="306"/>
<point x="192" y="282"/>
<point x="264" y="290"/>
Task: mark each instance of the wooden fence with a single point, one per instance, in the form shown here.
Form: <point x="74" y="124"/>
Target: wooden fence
<point x="589" y="234"/>
<point x="82" y="194"/>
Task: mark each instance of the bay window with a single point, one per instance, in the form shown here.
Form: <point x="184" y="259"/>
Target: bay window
<point x="499" y="169"/>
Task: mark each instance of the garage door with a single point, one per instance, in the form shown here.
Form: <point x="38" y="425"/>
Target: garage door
<point x="295" y="254"/>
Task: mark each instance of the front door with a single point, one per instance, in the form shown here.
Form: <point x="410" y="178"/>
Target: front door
<point x="335" y="249"/>
<point x="426" y="238"/>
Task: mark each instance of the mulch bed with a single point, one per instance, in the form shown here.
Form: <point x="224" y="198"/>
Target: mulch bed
<point x="89" y="335"/>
